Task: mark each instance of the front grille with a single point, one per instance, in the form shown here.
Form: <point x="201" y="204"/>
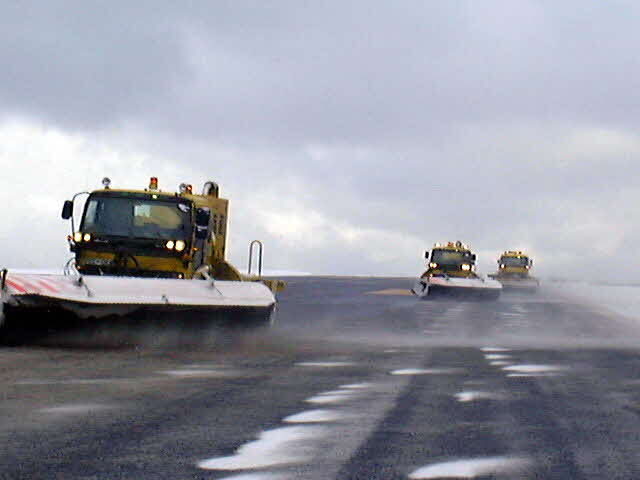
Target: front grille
<point x="126" y="272"/>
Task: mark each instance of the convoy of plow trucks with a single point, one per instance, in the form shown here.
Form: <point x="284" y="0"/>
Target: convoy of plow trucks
<point x="150" y="250"/>
<point x="451" y="272"/>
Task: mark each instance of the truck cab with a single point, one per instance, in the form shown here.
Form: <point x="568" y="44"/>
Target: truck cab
<point x="514" y="264"/>
<point x="453" y="259"/>
<point x="151" y="233"/>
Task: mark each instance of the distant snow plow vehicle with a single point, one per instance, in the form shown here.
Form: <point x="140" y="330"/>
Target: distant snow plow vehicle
<point x="451" y="272"/>
<point x="514" y="272"/>
<point x="144" y="250"/>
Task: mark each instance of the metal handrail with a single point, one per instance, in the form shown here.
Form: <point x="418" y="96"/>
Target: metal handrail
<point x="251" y="245"/>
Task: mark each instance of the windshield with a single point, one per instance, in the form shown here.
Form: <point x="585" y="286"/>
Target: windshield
<point x="451" y="257"/>
<point x="514" y="261"/>
<point x="137" y="218"/>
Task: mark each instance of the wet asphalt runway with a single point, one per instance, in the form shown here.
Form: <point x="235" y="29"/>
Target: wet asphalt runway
<point x="347" y="385"/>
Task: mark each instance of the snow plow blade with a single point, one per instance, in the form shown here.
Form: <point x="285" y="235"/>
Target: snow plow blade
<point x="519" y="284"/>
<point x="95" y="297"/>
<point x="459" y="288"/>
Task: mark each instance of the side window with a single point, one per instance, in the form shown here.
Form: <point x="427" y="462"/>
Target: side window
<point x="91" y="216"/>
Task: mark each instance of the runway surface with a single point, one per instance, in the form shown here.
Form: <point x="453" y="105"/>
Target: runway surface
<point x="356" y="380"/>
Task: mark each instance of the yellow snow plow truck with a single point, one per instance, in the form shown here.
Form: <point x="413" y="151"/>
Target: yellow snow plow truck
<point x="451" y="271"/>
<point x="143" y="249"/>
<point x="514" y="271"/>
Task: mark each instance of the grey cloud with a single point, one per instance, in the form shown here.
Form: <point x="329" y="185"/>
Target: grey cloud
<point x="86" y="65"/>
<point x="281" y="72"/>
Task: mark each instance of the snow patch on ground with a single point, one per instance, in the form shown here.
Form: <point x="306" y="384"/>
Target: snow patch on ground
<point x="315" y="416"/>
<point x="472" y="468"/>
<point x="281" y="446"/>
<point x="425" y="371"/>
<point x="499" y="363"/>
<point x="335" y="396"/>
<point x="474" y="395"/>
<point x="357" y="386"/>
<point x="258" y="476"/>
<point x="75" y="408"/>
<point x="325" y="364"/>
<point x="497" y="356"/>
<point x="187" y="372"/>
<point x="533" y="369"/>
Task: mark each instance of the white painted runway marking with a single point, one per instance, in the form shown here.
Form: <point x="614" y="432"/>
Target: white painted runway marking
<point x="472" y="468"/>
<point x="281" y="446"/>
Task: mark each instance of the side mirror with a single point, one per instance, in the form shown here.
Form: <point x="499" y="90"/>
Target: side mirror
<point x="426" y="254"/>
<point x="203" y="215"/>
<point x="67" y="210"/>
<point x="473" y="257"/>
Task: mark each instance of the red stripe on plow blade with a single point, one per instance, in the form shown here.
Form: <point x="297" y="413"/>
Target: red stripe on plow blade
<point x="29" y="285"/>
<point x="47" y="285"/>
<point x="16" y="286"/>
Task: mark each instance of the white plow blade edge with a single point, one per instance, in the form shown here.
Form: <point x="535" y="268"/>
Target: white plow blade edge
<point x="103" y="295"/>
<point x="455" y="284"/>
<point x="519" y="283"/>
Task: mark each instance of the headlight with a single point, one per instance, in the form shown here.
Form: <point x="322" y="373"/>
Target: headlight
<point x="86" y="237"/>
<point x="77" y="237"/>
<point x="180" y="245"/>
<point x="502" y="265"/>
<point x="170" y="244"/>
<point x="465" y="266"/>
<point x="433" y="265"/>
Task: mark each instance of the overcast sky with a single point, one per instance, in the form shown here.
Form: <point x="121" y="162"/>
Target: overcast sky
<point x="349" y="136"/>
